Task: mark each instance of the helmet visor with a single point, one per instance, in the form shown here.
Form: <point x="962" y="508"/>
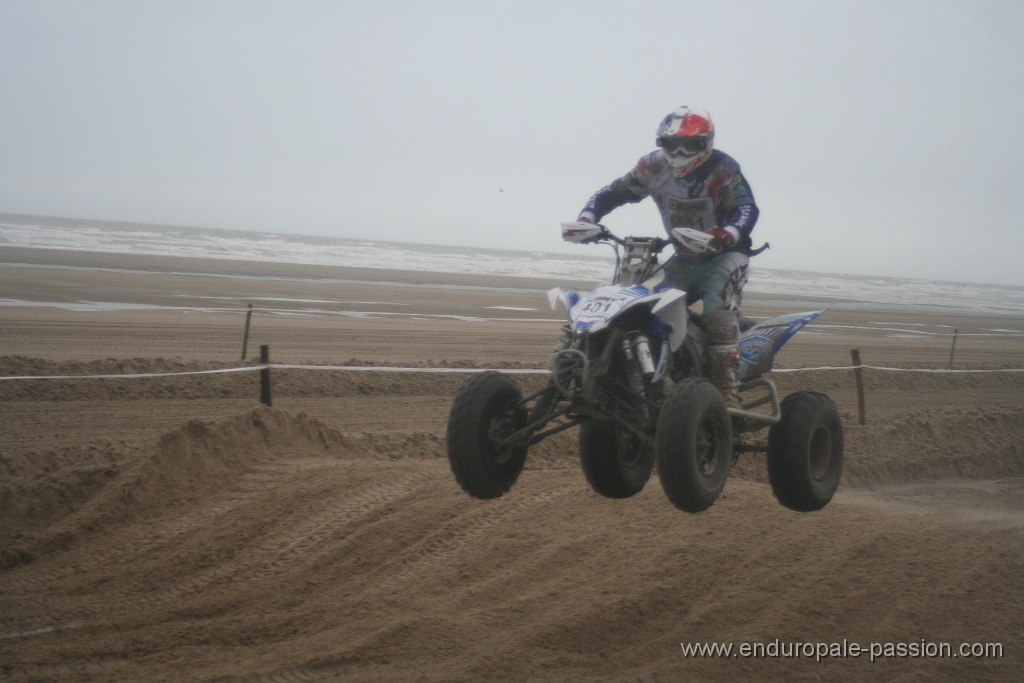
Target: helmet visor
<point x="689" y="145"/>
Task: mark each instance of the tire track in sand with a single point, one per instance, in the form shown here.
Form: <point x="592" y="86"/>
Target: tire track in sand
<point x="459" y="533"/>
<point x="28" y="577"/>
<point x="411" y="565"/>
<point x="274" y="552"/>
<point x="268" y="556"/>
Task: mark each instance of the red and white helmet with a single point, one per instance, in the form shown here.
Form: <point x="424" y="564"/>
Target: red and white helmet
<point x="686" y="137"/>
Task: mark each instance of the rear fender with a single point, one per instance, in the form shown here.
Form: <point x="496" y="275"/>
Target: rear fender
<point x="760" y="343"/>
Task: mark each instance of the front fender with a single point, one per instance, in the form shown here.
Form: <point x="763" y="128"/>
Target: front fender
<point x="564" y="296"/>
<point x="594" y="310"/>
<point x="672" y="311"/>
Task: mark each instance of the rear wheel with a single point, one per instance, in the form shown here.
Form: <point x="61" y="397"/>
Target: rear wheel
<point x="616" y="462"/>
<point x="486" y="411"/>
<point x="693" y="445"/>
<point x="805" y="452"/>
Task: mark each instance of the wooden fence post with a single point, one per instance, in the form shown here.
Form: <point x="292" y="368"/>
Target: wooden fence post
<point x="858" y="375"/>
<point x="265" y="397"/>
<point x="245" y="339"/>
<point x="953" y="348"/>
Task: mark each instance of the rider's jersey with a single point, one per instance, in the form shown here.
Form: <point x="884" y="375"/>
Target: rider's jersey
<point x="714" y="195"/>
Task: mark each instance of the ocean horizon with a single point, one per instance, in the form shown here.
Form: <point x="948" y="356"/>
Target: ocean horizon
<point x="848" y="291"/>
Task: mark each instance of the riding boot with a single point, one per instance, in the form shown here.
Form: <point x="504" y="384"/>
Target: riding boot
<point x="724" y="361"/>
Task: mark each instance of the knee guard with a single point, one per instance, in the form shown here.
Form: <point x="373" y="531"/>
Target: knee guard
<point x="721" y="327"/>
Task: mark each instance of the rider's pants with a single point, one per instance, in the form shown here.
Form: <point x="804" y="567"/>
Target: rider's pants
<point x="718" y="282"/>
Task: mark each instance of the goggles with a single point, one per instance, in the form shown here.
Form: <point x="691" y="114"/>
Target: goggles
<point x="688" y="145"/>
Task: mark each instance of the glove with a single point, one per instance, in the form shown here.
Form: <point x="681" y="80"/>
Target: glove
<point x="582" y="232"/>
<point x="723" y="238"/>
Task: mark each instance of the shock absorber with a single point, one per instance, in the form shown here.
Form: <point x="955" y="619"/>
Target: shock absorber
<point x="636" y="346"/>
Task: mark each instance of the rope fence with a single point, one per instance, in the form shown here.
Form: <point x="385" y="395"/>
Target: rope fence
<point x="510" y="371"/>
<point x="265" y="366"/>
<point x="889" y="369"/>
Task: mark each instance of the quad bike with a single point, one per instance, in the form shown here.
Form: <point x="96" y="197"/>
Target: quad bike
<point x="630" y="370"/>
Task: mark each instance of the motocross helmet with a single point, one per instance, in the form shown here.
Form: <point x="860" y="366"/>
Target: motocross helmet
<point x="686" y="138"/>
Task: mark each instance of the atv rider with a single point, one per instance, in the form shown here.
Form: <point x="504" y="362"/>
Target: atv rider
<point x="699" y="187"/>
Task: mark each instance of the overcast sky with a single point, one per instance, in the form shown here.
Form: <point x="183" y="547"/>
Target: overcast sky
<point x="880" y="138"/>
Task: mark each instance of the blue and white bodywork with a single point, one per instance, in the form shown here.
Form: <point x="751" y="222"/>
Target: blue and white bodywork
<point x="593" y="311"/>
<point x="760" y="343"/>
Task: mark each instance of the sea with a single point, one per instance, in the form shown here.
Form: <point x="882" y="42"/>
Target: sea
<point x="840" y="291"/>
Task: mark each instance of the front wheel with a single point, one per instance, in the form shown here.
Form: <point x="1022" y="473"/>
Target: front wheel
<point x="616" y="462"/>
<point x="485" y="412"/>
<point x="805" y="452"/>
<point x="693" y="445"/>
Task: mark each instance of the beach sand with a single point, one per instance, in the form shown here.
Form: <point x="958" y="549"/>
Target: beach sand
<point x="171" y="528"/>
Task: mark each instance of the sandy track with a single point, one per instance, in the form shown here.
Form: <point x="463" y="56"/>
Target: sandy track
<point x="170" y="530"/>
<point x="268" y="547"/>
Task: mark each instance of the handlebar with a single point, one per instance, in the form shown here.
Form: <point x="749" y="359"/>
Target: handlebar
<point x="609" y="235"/>
<point x="589" y="233"/>
<point x="683" y="239"/>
